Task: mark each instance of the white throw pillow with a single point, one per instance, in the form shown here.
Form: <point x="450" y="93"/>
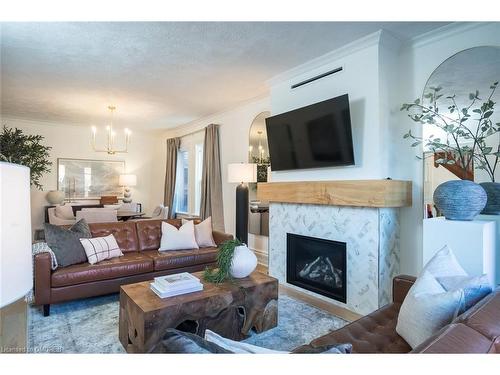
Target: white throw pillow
<point x="65" y="212"/>
<point x="444" y="264"/>
<point x="203" y="232"/>
<point x="238" y="347"/>
<point x="177" y="239"/>
<point x="101" y="248"/>
<point x="426" y="309"/>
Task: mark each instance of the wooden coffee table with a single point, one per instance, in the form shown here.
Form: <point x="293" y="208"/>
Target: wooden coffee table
<point x="231" y="309"/>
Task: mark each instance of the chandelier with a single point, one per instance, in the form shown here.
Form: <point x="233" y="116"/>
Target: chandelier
<point x="111" y="134"/>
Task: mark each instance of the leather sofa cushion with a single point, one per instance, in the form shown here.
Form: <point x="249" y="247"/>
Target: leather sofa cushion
<point x="131" y="263"/>
<point x="374" y="333"/>
<point x="455" y="338"/>
<point x="181" y="258"/>
<point x="124" y="232"/>
<point x="149" y="232"/>
<point x="484" y="317"/>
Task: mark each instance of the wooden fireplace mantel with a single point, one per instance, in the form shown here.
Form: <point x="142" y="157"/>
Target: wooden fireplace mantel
<point x="359" y="193"/>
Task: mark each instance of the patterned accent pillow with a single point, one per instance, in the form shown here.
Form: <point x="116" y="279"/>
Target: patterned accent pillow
<point x="101" y="248"/>
<point x="475" y="288"/>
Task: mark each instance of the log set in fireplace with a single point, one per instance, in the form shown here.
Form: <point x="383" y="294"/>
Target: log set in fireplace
<point x="317" y="265"/>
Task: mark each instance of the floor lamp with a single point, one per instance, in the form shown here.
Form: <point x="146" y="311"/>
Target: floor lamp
<point x="242" y="173"/>
<point x="16" y="275"/>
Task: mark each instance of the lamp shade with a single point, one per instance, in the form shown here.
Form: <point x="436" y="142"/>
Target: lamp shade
<point x="127" y="180"/>
<point x="242" y="172"/>
<point x="16" y="269"/>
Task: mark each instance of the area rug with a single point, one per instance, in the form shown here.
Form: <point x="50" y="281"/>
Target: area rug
<point x="91" y="326"/>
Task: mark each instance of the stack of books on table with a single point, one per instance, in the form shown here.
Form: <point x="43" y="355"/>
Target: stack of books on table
<point x="174" y="285"/>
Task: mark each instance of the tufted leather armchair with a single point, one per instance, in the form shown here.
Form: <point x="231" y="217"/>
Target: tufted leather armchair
<point x="139" y="241"/>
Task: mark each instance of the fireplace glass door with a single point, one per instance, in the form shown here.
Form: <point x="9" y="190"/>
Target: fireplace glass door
<point x="317" y="265"/>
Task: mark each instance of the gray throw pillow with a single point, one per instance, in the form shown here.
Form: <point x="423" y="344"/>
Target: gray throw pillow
<point x="65" y="243"/>
<point x="178" y="342"/>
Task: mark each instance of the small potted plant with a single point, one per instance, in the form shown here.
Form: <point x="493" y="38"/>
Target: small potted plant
<point x="467" y="145"/>
<point x="234" y="259"/>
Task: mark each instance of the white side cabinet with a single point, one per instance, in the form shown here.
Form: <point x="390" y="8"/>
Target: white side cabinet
<point x="473" y="243"/>
<point x="496" y="219"/>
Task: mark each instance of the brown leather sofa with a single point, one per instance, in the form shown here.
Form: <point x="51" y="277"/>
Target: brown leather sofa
<point x="139" y="242"/>
<point x="475" y="331"/>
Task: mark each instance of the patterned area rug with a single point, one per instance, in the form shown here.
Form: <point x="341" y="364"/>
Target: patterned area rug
<point x="91" y="326"/>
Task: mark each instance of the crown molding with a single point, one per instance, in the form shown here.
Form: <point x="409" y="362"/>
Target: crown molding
<point x="390" y="41"/>
<point x="200" y="123"/>
<point x="7" y="120"/>
<point x="444" y="32"/>
<point x="348" y="49"/>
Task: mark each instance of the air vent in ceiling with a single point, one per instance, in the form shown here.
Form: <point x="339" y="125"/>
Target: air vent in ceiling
<point x="315" y="78"/>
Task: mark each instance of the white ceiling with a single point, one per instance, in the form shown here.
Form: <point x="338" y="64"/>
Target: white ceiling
<point x="159" y="75"/>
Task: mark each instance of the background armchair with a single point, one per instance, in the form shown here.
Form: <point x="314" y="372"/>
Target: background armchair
<point x="56" y="220"/>
<point x="97" y="215"/>
<point x="160" y="213"/>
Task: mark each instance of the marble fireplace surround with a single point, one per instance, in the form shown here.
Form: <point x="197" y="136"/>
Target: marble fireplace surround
<point x="371" y="233"/>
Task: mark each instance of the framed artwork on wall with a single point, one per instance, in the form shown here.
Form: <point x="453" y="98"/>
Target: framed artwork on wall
<point x="89" y="179"/>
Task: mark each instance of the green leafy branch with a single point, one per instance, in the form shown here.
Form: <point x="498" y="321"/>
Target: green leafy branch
<point x="462" y="142"/>
<point x="224" y="259"/>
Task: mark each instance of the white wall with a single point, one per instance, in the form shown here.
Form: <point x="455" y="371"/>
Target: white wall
<point x="234" y="141"/>
<point x="359" y="79"/>
<point x="146" y="159"/>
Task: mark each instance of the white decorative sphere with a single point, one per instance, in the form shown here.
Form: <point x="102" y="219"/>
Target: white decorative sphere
<point x="244" y="262"/>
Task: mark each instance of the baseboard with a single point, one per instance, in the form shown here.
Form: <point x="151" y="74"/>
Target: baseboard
<point x="262" y="257"/>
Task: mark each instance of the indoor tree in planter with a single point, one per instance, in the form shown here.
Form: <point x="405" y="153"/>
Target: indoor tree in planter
<point x="467" y="132"/>
<point x="19" y="148"/>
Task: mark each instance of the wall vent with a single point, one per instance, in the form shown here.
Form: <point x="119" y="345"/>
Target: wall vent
<point x="315" y="78"/>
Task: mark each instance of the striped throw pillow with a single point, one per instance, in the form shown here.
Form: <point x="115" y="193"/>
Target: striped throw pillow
<point x="101" y="248"/>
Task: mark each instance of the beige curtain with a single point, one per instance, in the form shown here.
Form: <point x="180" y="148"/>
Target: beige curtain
<point x="211" y="182"/>
<point x="170" y="173"/>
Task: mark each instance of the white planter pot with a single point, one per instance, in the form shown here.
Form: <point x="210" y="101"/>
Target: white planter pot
<point x="55" y="196"/>
<point x="244" y="262"/>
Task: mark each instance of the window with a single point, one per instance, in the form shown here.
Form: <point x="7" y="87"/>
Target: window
<point x="182" y="182"/>
<point x="189" y="173"/>
<point x="198" y="175"/>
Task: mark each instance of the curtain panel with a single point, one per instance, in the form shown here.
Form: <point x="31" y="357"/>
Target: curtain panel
<point x="170" y="175"/>
<point x="211" y="182"/>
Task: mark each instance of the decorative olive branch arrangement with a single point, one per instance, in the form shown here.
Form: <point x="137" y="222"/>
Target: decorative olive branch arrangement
<point x="462" y="142"/>
<point x="19" y="148"/>
<point x="224" y="260"/>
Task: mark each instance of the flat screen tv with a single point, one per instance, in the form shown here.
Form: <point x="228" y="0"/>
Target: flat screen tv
<point x="315" y="136"/>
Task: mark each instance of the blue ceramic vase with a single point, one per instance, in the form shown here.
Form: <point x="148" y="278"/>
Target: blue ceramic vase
<point x="460" y="199"/>
<point x="493" y="193"/>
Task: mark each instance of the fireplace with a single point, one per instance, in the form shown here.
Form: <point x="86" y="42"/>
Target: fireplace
<point x="317" y="265"/>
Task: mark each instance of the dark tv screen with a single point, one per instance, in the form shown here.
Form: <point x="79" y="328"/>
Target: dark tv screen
<point x="315" y="136"/>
